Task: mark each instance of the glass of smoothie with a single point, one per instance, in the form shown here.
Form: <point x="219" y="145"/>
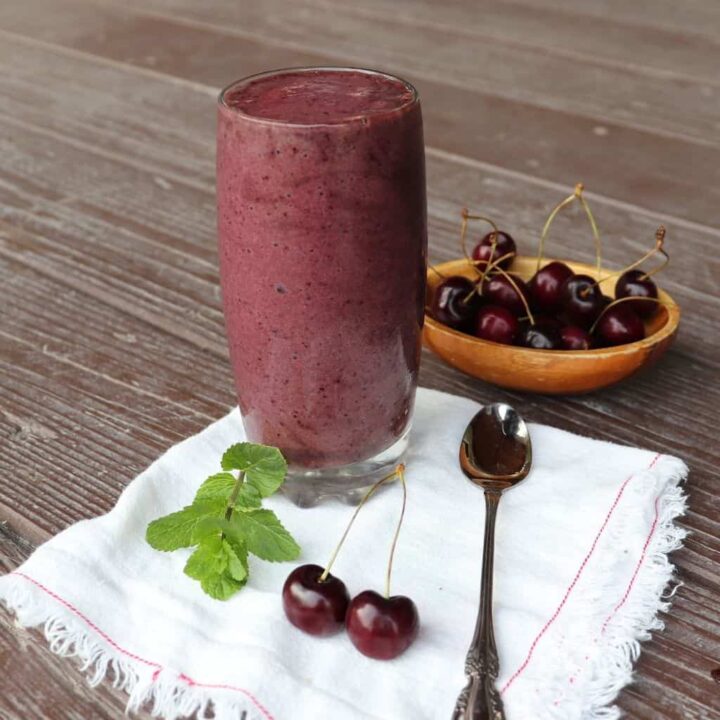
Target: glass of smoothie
<point x="322" y="239"/>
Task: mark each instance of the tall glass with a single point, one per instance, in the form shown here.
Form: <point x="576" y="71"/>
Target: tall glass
<point x="322" y="238"/>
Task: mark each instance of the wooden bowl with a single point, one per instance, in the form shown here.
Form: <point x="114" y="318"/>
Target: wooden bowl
<point x="547" y="371"/>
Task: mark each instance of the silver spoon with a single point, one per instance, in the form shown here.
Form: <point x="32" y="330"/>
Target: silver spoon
<point x="495" y="454"/>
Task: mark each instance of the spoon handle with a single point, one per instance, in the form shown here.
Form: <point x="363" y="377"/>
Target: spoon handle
<point x="479" y="699"/>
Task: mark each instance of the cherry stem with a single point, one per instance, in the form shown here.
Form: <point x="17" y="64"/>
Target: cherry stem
<point x="595" y="231"/>
<point x="546" y="228"/>
<point x="577" y="195"/>
<point x="466" y="216"/>
<point x="622" y="300"/>
<point x="437" y="272"/>
<point x="468" y="297"/>
<point x="511" y="280"/>
<point x="659" y="239"/>
<point x="482" y="274"/>
<point x="399" y="470"/>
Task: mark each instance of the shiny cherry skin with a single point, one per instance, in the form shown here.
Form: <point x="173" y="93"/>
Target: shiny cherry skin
<point x="582" y="300"/>
<point x="498" y="324"/>
<point x="498" y="290"/>
<point x="636" y="284"/>
<point x="316" y="607"/>
<point x="485" y="252"/>
<point x="544" y="286"/>
<point x="620" y="325"/>
<point x="573" y="337"/>
<point x="543" y="335"/>
<point x="382" y="628"/>
<point x="455" y="303"/>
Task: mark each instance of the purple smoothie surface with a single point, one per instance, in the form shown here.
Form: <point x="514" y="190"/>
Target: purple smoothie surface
<point x="318" y="96"/>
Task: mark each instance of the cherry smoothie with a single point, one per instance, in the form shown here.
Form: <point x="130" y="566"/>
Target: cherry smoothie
<point x="322" y="238"/>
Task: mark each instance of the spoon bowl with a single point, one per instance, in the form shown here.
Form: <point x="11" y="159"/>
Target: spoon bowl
<point x="496" y="449"/>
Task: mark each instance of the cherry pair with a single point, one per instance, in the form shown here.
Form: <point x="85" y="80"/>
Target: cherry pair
<point x="318" y="603"/>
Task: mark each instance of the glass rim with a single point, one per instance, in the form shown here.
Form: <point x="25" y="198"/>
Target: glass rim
<point x="413" y="100"/>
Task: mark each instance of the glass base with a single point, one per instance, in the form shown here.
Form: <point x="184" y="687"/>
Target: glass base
<point x="347" y="483"/>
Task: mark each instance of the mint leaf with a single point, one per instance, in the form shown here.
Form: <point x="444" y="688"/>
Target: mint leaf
<point x="265" y="535"/>
<point x="206" y="527"/>
<point x="237" y="564"/>
<point x="206" y="559"/>
<point x="264" y="466"/>
<point x="221" y="587"/>
<point x="220" y="572"/>
<point x="248" y="497"/>
<point x="173" y="531"/>
<point x="216" y="488"/>
<point x="207" y="531"/>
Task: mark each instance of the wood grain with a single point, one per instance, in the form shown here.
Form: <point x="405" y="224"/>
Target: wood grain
<point x="646" y="157"/>
<point x="111" y="337"/>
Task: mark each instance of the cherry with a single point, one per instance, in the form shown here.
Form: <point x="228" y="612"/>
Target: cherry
<point x="497" y="324"/>
<point x="316" y="606"/>
<point x="620" y="325"/>
<point x="500" y="291"/>
<point x="574" y="338"/>
<point x="382" y="627"/>
<point x="582" y="299"/>
<point x="493" y="246"/>
<point x="543" y="335"/>
<point x="544" y="286"/>
<point x="636" y="284"/>
<point x="455" y="303"/>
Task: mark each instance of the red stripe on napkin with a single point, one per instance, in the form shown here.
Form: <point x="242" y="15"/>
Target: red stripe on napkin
<point x="158" y="668"/>
<point x="574" y="582"/>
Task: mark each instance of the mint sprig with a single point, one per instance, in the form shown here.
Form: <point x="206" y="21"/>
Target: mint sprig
<point x="226" y="521"/>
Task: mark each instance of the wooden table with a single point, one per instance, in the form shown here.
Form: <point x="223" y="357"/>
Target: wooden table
<point x="111" y="337"/>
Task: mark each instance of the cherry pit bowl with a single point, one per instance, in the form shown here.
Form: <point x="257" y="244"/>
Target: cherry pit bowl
<point x="557" y="372"/>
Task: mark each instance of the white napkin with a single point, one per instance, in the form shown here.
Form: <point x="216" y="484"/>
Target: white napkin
<point x="581" y="564"/>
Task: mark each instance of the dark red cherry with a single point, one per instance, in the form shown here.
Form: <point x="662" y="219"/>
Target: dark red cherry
<point x="498" y="290"/>
<point x="380" y="627"/>
<point x="544" y="286"/>
<point x="574" y="338"/>
<point x="620" y="325"/>
<point x="636" y="284"/>
<point x="582" y="300"/>
<point x="497" y="324"/>
<point x="490" y="249"/>
<point x="455" y="303"/>
<point x="543" y="335"/>
<point x="316" y="607"/>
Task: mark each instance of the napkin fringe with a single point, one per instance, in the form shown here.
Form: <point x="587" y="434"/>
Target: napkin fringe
<point x="637" y="613"/>
<point x="170" y="695"/>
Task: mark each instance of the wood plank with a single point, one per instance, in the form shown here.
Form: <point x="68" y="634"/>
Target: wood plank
<point x="610" y="89"/>
<point x="605" y="39"/>
<point x="700" y="17"/>
<point x="190" y="123"/>
<point x="556" y="145"/>
<point x="107" y="408"/>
